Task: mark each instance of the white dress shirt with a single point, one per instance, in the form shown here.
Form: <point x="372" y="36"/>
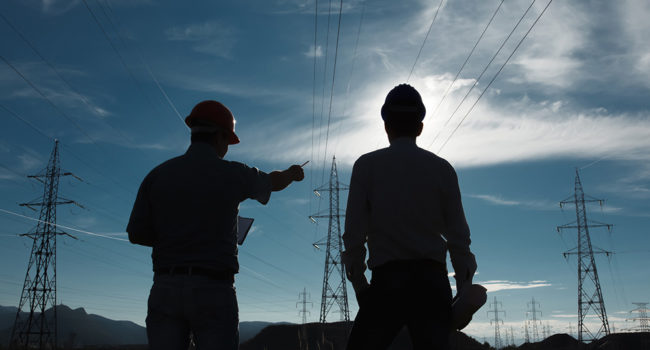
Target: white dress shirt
<point x="404" y="202"/>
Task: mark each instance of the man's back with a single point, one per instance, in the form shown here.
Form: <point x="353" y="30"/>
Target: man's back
<point x="192" y="202"/>
<point x="409" y="193"/>
<point x="404" y="202"/>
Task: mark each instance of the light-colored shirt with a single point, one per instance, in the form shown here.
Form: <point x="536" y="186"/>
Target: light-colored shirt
<point x="405" y="203"/>
<point x="187" y="208"/>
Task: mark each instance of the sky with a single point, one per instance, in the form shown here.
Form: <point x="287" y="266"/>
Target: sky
<point x="113" y="79"/>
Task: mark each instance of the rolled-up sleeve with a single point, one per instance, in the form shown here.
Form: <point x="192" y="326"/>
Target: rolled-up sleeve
<point x="457" y="231"/>
<point x="140" y="226"/>
<point x="357" y="223"/>
<point x="256" y="184"/>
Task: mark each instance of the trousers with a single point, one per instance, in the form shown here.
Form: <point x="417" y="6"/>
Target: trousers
<point x="182" y="304"/>
<point x="411" y="293"/>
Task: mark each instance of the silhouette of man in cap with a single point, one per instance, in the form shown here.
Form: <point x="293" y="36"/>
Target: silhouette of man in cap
<point x="186" y="209"/>
<point x="405" y="204"/>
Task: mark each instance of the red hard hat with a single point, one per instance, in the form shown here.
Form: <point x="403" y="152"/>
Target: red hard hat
<point x="212" y="113"/>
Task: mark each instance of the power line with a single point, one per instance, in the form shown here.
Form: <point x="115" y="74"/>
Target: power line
<point x="65" y="227"/>
<point x="347" y="90"/>
<point x="496" y="75"/>
<point x="313" y="103"/>
<point x="444" y="95"/>
<point x="119" y="55"/>
<point x="425" y="40"/>
<point x="65" y="147"/>
<point x="322" y="100"/>
<point x="142" y="60"/>
<point x="59" y="75"/>
<point x="329" y="116"/>
<point x="65" y="115"/>
<point x="483" y="72"/>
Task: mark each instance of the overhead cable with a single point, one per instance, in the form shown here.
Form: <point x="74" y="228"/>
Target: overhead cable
<point x="444" y="95"/>
<point x="425" y="40"/>
<point x="60" y="76"/>
<point x="146" y="65"/>
<point x="313" y="105"/>
<point x="65" y="147"/>
<point x="119" y="55"/>
<point x="329" y="116"/>
<point x="495" y="76"/>
<point x="483" y="72"/>
<point x="347" y="89"/>
<point x="322" y="100"/>
<point x="65" y="227"/>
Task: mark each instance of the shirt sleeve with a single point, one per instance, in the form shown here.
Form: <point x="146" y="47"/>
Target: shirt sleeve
<point x="140" y="226"/>
<point x="457" y="231"/>
<point x="256" y="184"/>
<point x="357" y="219"/>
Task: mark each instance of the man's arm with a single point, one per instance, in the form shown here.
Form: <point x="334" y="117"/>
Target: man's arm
<point x="357" y="219"/>
<point x="281" y="179"/>
<point x="458" y="235"/>
<point x="140" y="227"/>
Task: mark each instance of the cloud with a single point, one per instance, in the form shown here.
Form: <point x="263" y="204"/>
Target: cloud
<point x="497" y="285"/>
<point x="212" y="37"/>
<point x="498" y="200"/>
<point x="532" y="204"/>
<point x="318" y="52"/>
<point x="50" y="85"/>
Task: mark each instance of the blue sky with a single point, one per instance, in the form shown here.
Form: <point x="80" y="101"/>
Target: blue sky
<point x="573" y="95"/>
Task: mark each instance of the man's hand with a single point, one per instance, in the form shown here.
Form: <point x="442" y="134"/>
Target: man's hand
<point x="296" y="172"/>
<point x="281" y="179"/>
<point x="464" y="267"/>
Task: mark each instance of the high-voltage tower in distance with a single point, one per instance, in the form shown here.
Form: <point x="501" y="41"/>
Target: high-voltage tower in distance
<point x="498" y="344"/>
<point x="34" y="328"/>
<point x="640" y="314"/>
<point x="533" y="320"/>
<point x="590" y="295"/>
<point x="335" y="290"/>
<point x="303" y="305"/>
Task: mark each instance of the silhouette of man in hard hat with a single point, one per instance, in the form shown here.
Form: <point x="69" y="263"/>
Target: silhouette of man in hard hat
<point x="404" y="202"/>
<point x="186" y="209"/>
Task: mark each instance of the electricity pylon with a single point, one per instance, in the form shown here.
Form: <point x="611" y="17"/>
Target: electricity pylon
<point x="497" y="336"/>
<point x="334" y="283"/>
<point x="36" y="329"/>
<point x="526" y="334"/>
<point x="590" y="296"/>
<point x="303" y="302"/>
<point x="533" y="305"/>
<point x="642" y="312"/>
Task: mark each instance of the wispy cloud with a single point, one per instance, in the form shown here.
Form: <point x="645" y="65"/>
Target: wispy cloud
<point x="212" y="37"/>
<point x="531" y="204"/>
<point x="314" y="52"/>
<point x="498" y="285"/>
<point x="495" y="199"/>
<point x="47" y="81"/>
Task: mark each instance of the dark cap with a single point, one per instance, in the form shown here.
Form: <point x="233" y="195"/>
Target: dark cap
<point x="403" y="100"/>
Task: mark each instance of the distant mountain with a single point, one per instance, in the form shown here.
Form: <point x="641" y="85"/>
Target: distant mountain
<point x="80" y="328"/>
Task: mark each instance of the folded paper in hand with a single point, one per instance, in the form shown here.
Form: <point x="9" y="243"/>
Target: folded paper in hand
<point x="243" y="226"/>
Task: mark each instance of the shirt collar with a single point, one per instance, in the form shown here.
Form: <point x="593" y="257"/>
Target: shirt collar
<point x="202" y="148"/>
<point x="402" y="141"/>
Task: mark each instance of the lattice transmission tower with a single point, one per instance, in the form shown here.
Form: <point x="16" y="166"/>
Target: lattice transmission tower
<point x="36" y="328"/>
<point x="498" y="344"/>
<point x="640" y="314"/>
<point x="334" y="282"/>
<point x="590" y="296"/>
<point x="531" y="316"/>
<point x="303" y="296"/>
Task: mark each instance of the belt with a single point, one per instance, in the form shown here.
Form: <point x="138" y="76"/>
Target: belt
<point x="197" y="271"/>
